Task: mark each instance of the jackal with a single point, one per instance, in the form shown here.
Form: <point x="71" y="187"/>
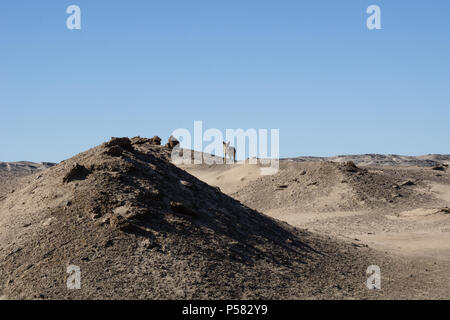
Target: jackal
<point x="230" y="151"/>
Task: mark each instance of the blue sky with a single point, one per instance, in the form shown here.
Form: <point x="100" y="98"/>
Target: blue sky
<point x="309" y="68"/>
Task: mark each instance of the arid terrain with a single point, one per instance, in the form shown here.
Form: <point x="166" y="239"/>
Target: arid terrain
<point x="140" y="227"/>
<point x="384" y="203"/>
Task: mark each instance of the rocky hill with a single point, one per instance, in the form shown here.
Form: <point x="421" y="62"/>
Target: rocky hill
<point x="325" y="186"/>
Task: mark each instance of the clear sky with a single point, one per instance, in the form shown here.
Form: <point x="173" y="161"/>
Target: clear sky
<point x="309" y="68"/>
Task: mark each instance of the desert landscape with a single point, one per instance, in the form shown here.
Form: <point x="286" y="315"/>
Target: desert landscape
<point x="141" y="227"/>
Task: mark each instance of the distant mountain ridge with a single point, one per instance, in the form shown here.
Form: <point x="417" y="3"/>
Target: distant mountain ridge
<point x="25" y="166"/>
<point x="12" y="172"/>
<point x="429" y="160"/>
